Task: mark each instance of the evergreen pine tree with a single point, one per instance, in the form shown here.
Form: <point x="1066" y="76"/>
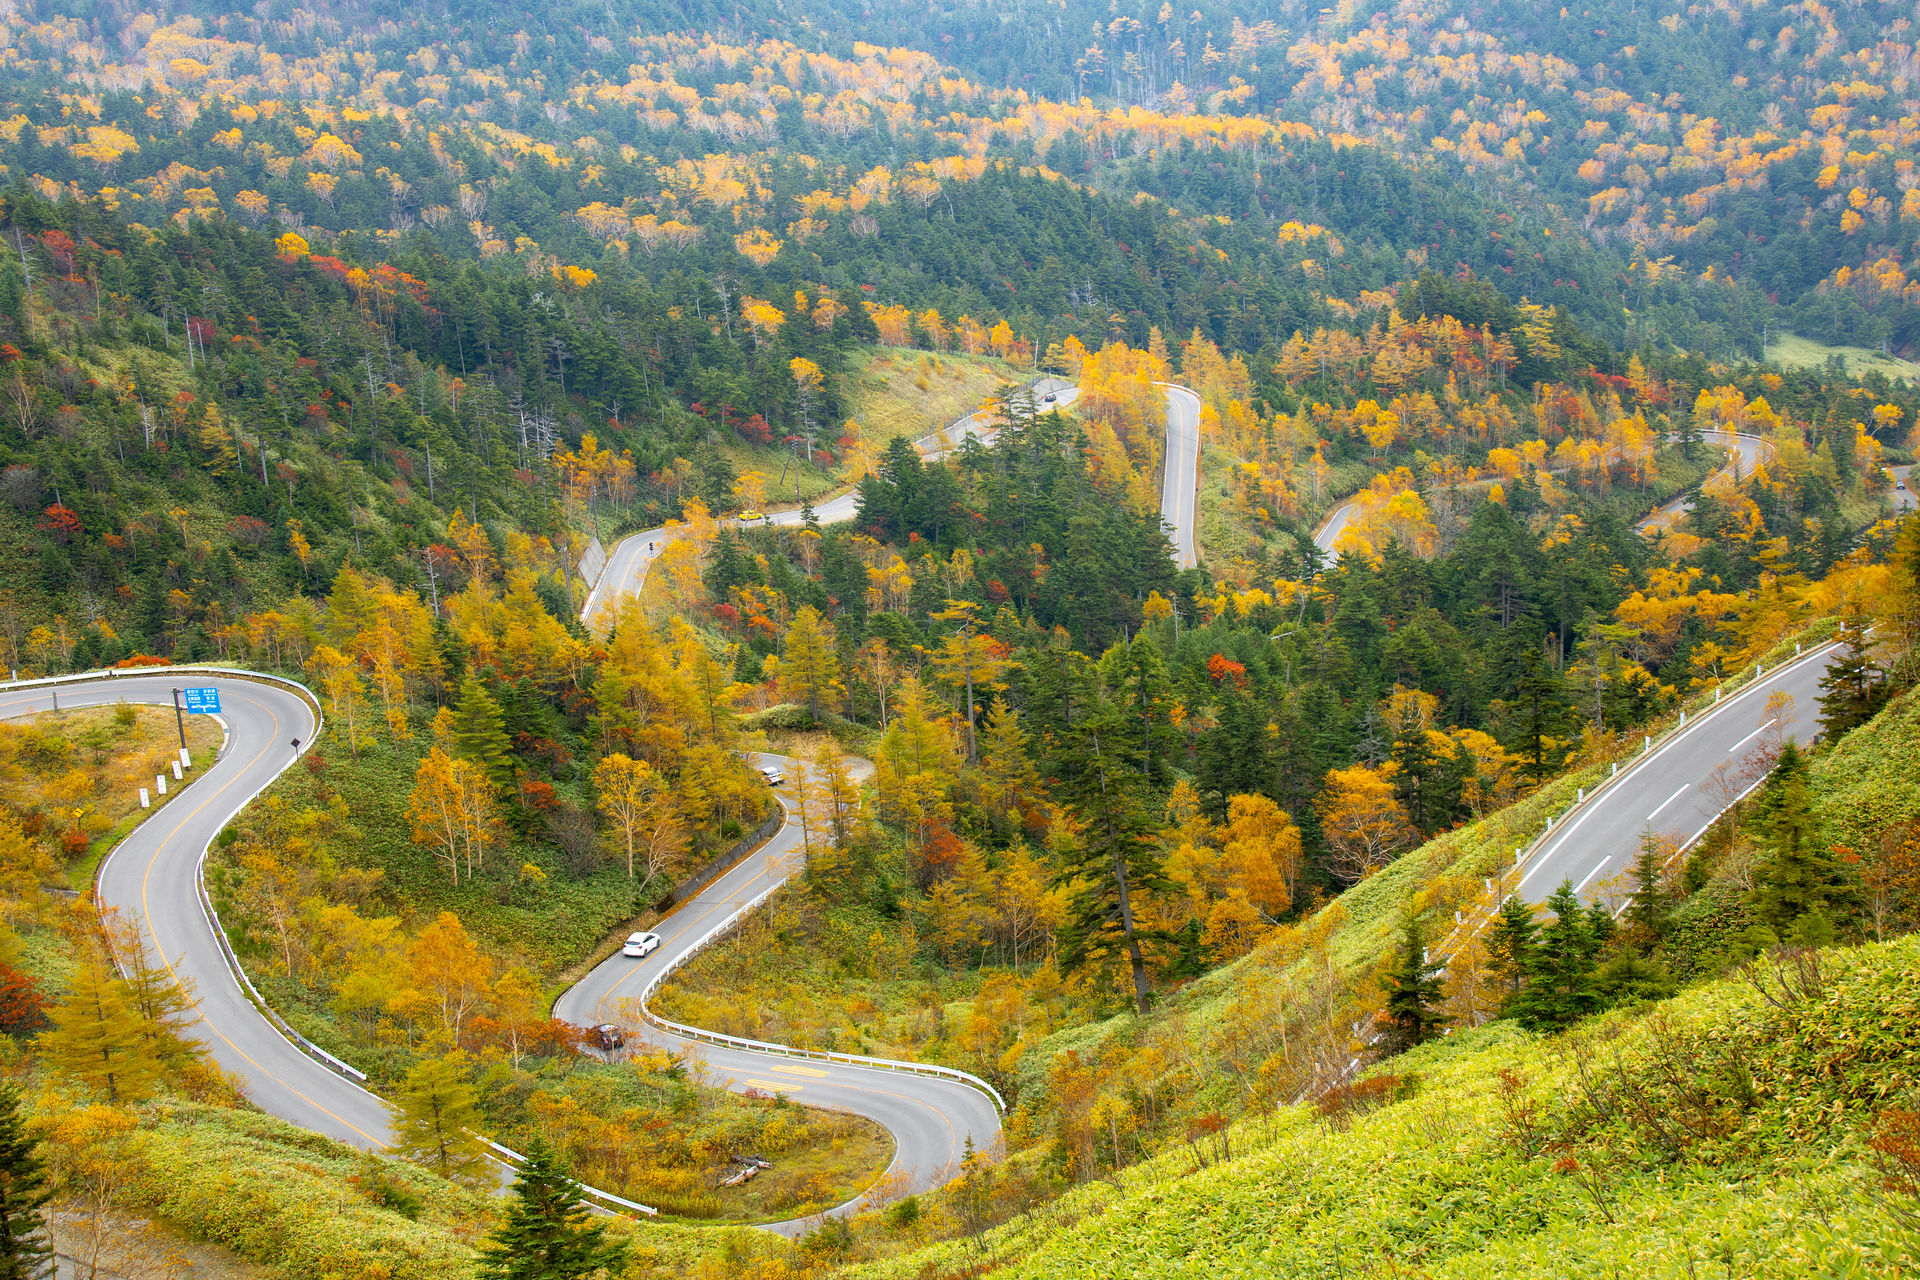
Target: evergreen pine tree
<point x="97" y="1038"/>
<point x="1648" y="908"/>
<point x="1510" y="943"/>
<point x="1851" y="696"/>
<point x="1539" y="710"/>
<point x="1415" y="779"/>
<point x="1803" y="876"/>
<point x="547" y="1234"/>
<point x="25" y="1251"/>
<point x="1560" y="973"/>
<point x="1114" y="863"/>
<point x="433" y="1118"/>
<point x="1413" y="992"/>
<point x="480" y="733"/>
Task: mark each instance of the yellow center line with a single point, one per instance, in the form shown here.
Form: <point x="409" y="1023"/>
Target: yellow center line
<point x="146" y="881"/>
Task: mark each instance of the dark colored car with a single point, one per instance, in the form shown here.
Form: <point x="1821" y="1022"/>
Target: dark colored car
<point x="607" y="1037"/>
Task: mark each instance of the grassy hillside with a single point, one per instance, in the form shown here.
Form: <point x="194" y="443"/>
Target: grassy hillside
<point x="1792" y="351"/>
<point x="909" y="393"/>
<point x="1716" y="1134"/>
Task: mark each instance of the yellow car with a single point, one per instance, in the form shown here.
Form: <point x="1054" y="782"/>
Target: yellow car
<point x="746" y="516"/>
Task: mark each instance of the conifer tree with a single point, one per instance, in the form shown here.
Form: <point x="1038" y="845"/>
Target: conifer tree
<point x="1851" y="696"/>
<point x="163" y="1002"/>
<point x="1560" y="988"/>
<point x="98" y="1038"/>
<point x="1648" y="908"/>
<point x="548" y="1234"/>
<point x="1414" y="779"/>
<point x="809" y="668"/>
<point x="25" y="1251"/>
<point x="480" y="733"/>
<point x="1113" y="862"/>
<point x="1803" y="877"/>
<point x="1539" y="711"/>
<point x="1510" y="944"/>
<point x="434" y="1116"/>
<point x="1412" y="1015"/>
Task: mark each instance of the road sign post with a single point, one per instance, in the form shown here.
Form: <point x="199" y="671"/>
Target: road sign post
<point x="199" y="702"/>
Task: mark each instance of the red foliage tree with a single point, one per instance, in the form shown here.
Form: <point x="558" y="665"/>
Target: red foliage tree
<point x="22" y="1007"/>
<point x="1221" y="667"/>
<point x="60" y="521"/>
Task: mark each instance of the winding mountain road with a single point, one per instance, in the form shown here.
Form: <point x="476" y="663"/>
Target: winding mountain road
<point x="932" y="1119"/>
<point x="153" y="877"/>
<point x="1180" y="482"/>
<point x="1679" y="787"/>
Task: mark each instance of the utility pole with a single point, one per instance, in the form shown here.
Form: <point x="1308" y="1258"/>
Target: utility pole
<point x="179" y="720"/>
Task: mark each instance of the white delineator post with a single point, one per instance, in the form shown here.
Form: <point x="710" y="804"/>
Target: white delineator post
<point x="160" y="783"/>
<point x="176" y="771"/>
<point x="144" y="802"/>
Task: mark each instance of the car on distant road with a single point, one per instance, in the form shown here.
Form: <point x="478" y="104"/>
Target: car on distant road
<point x="1048" y="398"/>
<point x="641" y="945"/>
<point x="607" y="1037"/>
<point x="774" y="777"/>
<point x="747" y="516"/>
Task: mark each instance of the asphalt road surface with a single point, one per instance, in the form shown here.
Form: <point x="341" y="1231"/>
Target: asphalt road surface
<point x="931" y="1119"/>
<point x="1902" y="495"/>
<point x="1181" y="480"/>
<point x="1750" y="449"/>
<point x="153" y="877"/>
<point x="1680" y="787"/>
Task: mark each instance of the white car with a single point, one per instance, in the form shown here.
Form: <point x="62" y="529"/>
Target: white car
<point x="640" y="945"/>
<point x="774" y="777"/>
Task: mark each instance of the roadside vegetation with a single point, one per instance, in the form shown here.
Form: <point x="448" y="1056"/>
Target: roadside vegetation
<point x="75" y="776"/>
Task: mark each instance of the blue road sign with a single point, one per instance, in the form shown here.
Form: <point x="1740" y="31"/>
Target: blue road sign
<point x="202" y="701"/>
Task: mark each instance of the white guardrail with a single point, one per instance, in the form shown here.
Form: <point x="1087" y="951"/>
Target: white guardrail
<point x="506" y="1155"/>
<point x="684" y="1031"/>
<point x="1472" y="924"/>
